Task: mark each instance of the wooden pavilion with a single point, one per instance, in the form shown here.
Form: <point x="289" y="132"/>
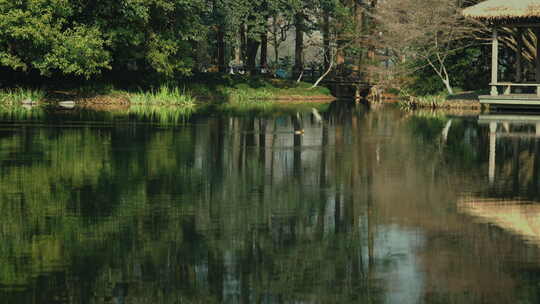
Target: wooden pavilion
<point x="523" y="17"/>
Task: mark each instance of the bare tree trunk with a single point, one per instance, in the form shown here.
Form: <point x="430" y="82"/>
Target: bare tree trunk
<point x="264" y="50"/>
<point x="243" y="43"/>
<point x="221" y="49"/>
<point x="252" y="49"/>
<point x="275" y="38"/>
<point x="196" y="45"/>
<point x="340" y="57"/>
<point x="359" y="20"/>
<point x="326" y="39"/>
<point x="324" y="75"/>
<point x="371" y="32"/>
<point x="448" y="86"/>
<point x="264" y="37"/>
<point x="237" y="55"/>
<point x="299" y="44"/>
<point x="441" y="71"/>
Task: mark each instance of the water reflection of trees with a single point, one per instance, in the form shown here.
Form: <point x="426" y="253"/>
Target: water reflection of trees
<point x="229" y="209"/>
<point x="242" y="209"/>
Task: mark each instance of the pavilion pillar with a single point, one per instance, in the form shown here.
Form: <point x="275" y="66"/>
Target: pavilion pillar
<point x="519" y="57"/>
<point x="492" y="150"/>
<point x="537" y="59"/>
<point x="494" y="62"/>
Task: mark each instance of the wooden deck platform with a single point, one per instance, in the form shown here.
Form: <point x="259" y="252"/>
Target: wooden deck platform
<point x="520" y="100"/>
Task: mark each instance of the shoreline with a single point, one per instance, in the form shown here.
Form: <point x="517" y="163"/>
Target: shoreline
<point x="244" y="91"/>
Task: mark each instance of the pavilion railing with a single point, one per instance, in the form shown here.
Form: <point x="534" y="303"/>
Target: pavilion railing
<point x="507" y="87"/>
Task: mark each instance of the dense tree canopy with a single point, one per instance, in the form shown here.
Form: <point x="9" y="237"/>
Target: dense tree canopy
<point x="172" y="38"/>
<point x="86" y="37"/>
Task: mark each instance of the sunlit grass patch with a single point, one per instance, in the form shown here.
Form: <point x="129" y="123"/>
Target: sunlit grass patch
<point x="272" y="91"/>
<point x="21" y="95"/>
<point x="249" y="95"/>
<point x="429" y="101"/>
<point x="164" y="95"/>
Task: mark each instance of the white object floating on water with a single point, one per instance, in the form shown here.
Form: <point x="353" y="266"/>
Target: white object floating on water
<point x="69" y="104"/>
<point x="28" y="101"/>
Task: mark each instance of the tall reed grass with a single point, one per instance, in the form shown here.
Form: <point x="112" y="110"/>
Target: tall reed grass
<point x="429" y="101"/>
<point x="20" y="95"/>
<point x="164" y="95"/>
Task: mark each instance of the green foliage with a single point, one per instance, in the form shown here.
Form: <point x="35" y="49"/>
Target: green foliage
<point x="84" y="38"/>
<point x="42" y="35"/>
<point x="95" y="88"/>
<point x="78" y="51"/>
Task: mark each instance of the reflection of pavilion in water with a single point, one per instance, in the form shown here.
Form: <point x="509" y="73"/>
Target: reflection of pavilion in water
<point x="516" y="128"/>
<point x="516" y="209"/>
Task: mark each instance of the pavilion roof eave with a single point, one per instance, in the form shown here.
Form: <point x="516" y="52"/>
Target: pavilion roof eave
<point x="503" y="10"/>
<point x="514" y="22"/>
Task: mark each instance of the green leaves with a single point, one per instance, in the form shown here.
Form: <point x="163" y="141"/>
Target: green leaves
<point x="85" y="38"/>
<point x="162" y="37"/>
<point x="79" y="51"/>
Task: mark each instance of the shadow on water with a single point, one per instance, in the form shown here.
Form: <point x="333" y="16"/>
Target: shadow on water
<point x="361" y="205"/>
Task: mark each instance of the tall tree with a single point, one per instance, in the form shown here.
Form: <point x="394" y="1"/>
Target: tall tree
<point x="417" y="34"/>
<point x="219" y="24"/>
<point x="299" y="21"/>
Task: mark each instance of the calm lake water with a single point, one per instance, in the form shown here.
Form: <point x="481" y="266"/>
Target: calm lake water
<point x="369" y="206"/>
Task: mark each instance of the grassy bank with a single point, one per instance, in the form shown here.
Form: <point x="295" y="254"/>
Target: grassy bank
<point x="170" y="103"/>
<point x="463" y="100"/>
<point x="241" y="91"/>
